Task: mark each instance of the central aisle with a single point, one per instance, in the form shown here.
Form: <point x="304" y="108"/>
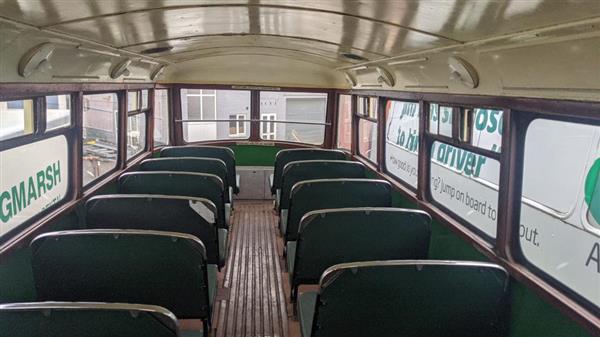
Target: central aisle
<point x="252" y="301"/>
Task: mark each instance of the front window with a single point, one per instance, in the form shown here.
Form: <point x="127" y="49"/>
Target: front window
<point x="214" y="114"/>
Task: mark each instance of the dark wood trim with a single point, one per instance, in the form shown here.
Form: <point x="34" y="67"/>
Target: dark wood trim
<point x="423" y="168"/>
<point x="330" y="112"/>
<point x="381" y="135"/>
<point x="254" y="114"/>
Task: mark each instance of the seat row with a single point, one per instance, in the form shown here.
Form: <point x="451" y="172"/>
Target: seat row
<point x="371" y="260"/>
<point x="148" y="254"/>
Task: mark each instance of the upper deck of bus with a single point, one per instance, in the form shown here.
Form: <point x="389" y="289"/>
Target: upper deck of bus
<point x="484" y="114"/>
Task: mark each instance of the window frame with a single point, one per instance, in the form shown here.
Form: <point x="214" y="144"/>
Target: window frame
<point x="40" y="134"/>
<point x="121" y="104"/>
<point x="169" y="115"/>
<point x="132" y="113"/>
<point x="336" y="130"/>
<point x="365" y="117"/>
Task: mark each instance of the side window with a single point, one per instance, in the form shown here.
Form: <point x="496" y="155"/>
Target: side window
<point x="367" y="127"/>
<point x="206" y="114"/>
<point x="137" y="114"/>
<point x="161" y="117"/>
<point x="486" y="132"/>
<point x="16" y="118"/>
<point x="100" y="135"/>
<point x="558" y="230"/>
<point x="58" y="112"/>
<point x="440" y="120"/>
<point x="344" y="123"/>
<point x="402" y="140"/>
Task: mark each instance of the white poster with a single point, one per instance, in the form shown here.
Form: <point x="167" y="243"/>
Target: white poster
<point x="33" y="177"/>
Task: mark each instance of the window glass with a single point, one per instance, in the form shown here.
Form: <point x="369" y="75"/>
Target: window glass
<point x="209" y="113"/>
<point x="161" y="117"/>
<point x="133" y="102"/>
<point x="440" y="120"/>
<point x="367" y="139"/>
<point x="58" y="111"/>
<point x="296" y="107"/>
<point x="487" y="129"/>
<point x="136" y="134"/>
<point x="33" y="179"/>
<point x="100" y="134"/>
<point x="402" y="140"/>
<point x="16" y="118"/>
<point x="344" y="125"/>
<point x="466" y="184"/>
<point x="144" y="99"/>
<point x="559" y="231"/>
<point x="367" y="106"/>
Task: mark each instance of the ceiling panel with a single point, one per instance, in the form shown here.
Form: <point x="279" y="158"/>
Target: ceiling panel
<point x="348" y="31"/>
<point x="186" y="45"/>
<point x="372" y="27"/>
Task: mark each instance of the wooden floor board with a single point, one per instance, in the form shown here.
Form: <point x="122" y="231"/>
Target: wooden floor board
<point x="251" y="300"/>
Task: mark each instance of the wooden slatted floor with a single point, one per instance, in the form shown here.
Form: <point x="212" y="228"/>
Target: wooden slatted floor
<point x="252" y="300"/>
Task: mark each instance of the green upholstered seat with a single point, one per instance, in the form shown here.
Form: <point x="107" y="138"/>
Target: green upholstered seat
<point x="219" y="152"/>
<point x="188" y="184"/>
<point x="333" y="236"/>
<point x="190" y="164"/>
<point x="310" y="195"/>
<point x="124" y="266"/>
<point x="89" y="319"/>
<point x="408" y="298"/>
<point x="297" y="171"/>
<point x="188" y="215"/>
<point x="286" y="156"/>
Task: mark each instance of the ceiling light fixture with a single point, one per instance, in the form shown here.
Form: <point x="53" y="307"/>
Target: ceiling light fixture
<point x="35" y="58"/>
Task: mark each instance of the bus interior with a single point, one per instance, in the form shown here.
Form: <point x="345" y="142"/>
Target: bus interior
<point x="313" y="168"/>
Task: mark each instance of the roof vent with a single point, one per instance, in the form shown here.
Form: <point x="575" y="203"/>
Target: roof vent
<point x="156" y="50"/>
<point x="354" y="57"/>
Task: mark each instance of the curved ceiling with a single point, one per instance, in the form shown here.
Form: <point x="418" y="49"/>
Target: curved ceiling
<point x="317" y="31"/>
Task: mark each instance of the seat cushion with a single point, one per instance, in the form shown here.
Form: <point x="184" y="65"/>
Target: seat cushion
<point x="283" y="221"/>
<point x="192" y="333"/>
<point x="306" y="311"/>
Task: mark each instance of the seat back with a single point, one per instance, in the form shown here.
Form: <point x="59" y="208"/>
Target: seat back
<point x="310" y="195"/>
<point x="286" y="156"/>
<point x="189" y="164"/>
<point x="297" y="171"/>
<point x="412" y="298"/>
<point x="187" y="184"/>
<point x="187" y="215"/>
<point x="76" y="319"/>
<point x="219" y="152"/>
<point x="367" y="233"/>
<point x="123" y="266"/>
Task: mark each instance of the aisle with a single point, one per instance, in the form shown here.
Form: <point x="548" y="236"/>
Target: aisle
<point x="252" y="302"/>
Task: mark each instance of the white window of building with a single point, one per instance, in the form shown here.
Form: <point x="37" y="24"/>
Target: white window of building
<point x="237" y="125"/>
<point x="268" y="130"/>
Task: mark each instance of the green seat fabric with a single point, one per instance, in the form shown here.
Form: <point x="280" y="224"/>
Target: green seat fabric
<point x="306" y="311"/>
<point x="310" y="195"/>
<point x="297" y="171"/>
<point x="333" y="236"/>
<point x="190" y="164"/>
<point x="124" y="266"/>
<point x="219" y="152"/>
<point x="187" y="184"/>
<point x="191" y="333"/>
<point x="156" y="212"/>
<point x="77" y="319"/>
<point x="411" y="298"/>
<point x="286" y="156"/>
